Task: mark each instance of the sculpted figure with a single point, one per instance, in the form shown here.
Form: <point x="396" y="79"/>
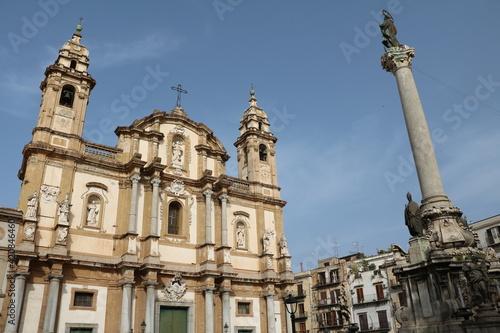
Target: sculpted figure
<point x="92" y="212"/>
<point x="64" y="208"/>
<point x="177" y="152"/>
<point x="32" y="206"/>
<point x="240" y="236"/>
<point x="388" y="30"/>
<point x="266" y="240"/>
<point x="412" y="217"/>
<point x="284" y="246"/>
<point x="62" y="234"/>
<point x="477" y="278"/>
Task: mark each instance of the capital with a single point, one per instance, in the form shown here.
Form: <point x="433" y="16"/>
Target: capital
<point x="156" y="181"/>
<point x="223" y="197"/>
<point x="135" y="178"/>
<point x="208" y="193"/>
<point x="397" y="57"/>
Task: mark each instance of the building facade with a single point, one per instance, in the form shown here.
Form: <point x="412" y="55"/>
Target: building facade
<point x="150" y="235"/>
<point x="488" y="231"/>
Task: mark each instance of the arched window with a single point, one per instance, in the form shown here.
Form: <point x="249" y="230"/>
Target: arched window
<point x="67" y="96"/>
<point x="94" y="211"/>
<point x="263" y="153"/>
<point x="73" y="64"/>
<point x="174" y="218"/>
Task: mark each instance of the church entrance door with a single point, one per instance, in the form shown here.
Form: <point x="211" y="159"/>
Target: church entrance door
<point x="173" y="320"/>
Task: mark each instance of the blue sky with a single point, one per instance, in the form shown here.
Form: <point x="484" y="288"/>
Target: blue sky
<point x="343" y="154"/>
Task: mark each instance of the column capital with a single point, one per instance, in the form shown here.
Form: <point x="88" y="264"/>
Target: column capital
<point x="156" y="181"/>
<point x="223" y="197"/>
<point x="135" y="178"/>
<point x="397" y="57"/>
<point x="209" y="289"/>
<point x="208" y="193"/>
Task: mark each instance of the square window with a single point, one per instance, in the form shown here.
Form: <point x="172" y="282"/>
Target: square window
<point x="83" y="299"/>
<point x="244" y="308"/>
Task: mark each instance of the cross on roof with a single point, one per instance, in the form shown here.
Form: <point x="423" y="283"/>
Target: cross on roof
<point x="179" y="92"/>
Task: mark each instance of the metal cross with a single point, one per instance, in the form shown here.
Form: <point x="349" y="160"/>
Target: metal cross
<point x="179" y="92"/>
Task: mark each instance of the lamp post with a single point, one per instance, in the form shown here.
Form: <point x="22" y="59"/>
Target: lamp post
<point x="226" y="328"/>
<point x="290" y="300"/>
<point x="143" y="326"/>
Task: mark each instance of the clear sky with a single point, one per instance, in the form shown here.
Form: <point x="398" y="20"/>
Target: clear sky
<point x="343" y="155"/>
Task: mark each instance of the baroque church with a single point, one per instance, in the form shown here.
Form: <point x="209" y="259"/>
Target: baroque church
<point x="150" y="235"/>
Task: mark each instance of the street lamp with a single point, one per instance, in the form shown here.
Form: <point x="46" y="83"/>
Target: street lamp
<point x="226" y="328"/>
<point x="143" y="326"/>
<point x="290" y="300"/>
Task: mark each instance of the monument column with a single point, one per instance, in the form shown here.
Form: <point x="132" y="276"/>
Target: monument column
<point x="226" y="309"/>
<point x="271" y="325"/>
<point x="398" y="60"/>
<point x="50" y="314"/>
<point x="150" y="307"/>
<point x="209" y="310"/>
<point x="126" y="307"/>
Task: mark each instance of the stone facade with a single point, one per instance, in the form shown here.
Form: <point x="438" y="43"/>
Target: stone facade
<point x="149" y="230"/>
<point x="488" y="231"/>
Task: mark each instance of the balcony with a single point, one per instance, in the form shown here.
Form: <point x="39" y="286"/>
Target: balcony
<point x="370" y="298"/>
<point x="329" y="323"/>
<point x="101" y="151"/>
<point x="301" y="315"/>
<point x="326" y="282"/>
<point x="381" y="328"/>
<point x="327" y="302"/>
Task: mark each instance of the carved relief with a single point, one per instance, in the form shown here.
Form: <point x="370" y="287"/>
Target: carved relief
<point x="49" y="193"/>
<point x="175" y="289"/>
<point x="62" y="234"/>
<point x="64" y="210"/>
<point x="29" y="231"/>
<point x="31" y="211"/>
<point x="266" y="240"/>
<point x="177" y="187"/>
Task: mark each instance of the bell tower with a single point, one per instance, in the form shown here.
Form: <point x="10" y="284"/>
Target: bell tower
<point x="255" y="146"/>
<point x="65" y="95"/>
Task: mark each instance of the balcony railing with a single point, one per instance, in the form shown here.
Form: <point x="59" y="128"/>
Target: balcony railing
<point x="100" y="152"/>
<point x="327" y="301"/>
<point x="301" y="315"/>
<point x="324" y="282"/>
<point x="369" y="298"/>
<point x="329" y="323"/>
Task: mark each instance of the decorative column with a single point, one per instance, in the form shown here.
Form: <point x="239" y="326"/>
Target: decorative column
<point x="125" y="326"/>
<point x="14" y="315"/>
<point x="209" y="310"/>
<point x="223" y="199"/>
<point x="132" y="224"/>
<point x="226" y="309"/>
<point x="271" y="325"/>
<point x="52" y="300"/>
<point x="150" y="307"/>
<point x="398" y="61"/>
<point x="154" y="206"/>
<point x="208" y="216"/>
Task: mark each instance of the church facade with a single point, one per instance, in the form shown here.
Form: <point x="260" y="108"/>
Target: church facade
<point x="150" y="235"/>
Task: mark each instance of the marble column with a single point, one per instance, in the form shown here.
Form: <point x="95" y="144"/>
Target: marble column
<point x="208" y="216"/>
<point x="52" y="300"/>
<point x="154" y="205"/>
<point x="226" y="309"/>
<point x="209" y="310"/>
<point x="125" y="326"/>
<point x="398" y="61"/>
<point x="132" y="224"/>
<point x="150" y="307"/>
<point x="223" y="199"/>
<point x="271" y="324"/>
<point x="14" y="316"/>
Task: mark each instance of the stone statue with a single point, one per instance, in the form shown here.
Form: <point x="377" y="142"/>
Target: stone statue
<point x="266" y="240"/>
<point x="477" y="277"/>
<point x="284" y="246"/>
<point x="32" y="207"/>
<point x="64" y="208"/>
<point x="240" y="236"/>
<point x="388" y="30"/>
<point x="29" y="231"/>
<point x="412" y="217"/>
<point x="177" y="152"/>
<point x="92" y="212"/>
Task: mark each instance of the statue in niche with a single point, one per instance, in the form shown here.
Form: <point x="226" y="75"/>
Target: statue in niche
<point x="64" y="209"/>
<point x="284" y="246"/>
<point x="240" y="235"/>
<point x="177" y="151"/>
<point x="388" y="30"/>
<point x="477" y="277"/>
<point x="412" y="217"/>
<point x="32" y="207"/>
<point x="93" y="208"/>
<point x="62" y="234"/>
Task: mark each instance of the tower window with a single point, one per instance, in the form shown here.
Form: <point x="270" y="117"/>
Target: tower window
<point x="174" y="215"/>
<point x="263" y="153"/>
<point x="67" y="96"/>
<point x="73" y="64"/>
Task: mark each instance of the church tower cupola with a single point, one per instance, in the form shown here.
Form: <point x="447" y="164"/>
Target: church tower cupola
<point x="255" y="146"/>
<point x="65" y="95"/>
